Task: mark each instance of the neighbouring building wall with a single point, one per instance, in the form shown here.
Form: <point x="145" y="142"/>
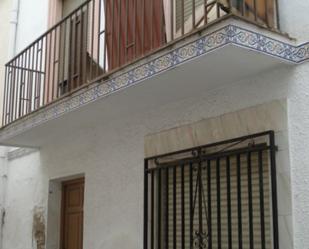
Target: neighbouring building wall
<point x="32" y="21"/>
<point x="24" y="203"/>
<point x="3" y="184"/>
<point x="5" y="8"/>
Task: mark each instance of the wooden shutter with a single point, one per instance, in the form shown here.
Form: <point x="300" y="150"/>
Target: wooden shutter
<point x="264" y="10"/>
<point x="133" y="28"/>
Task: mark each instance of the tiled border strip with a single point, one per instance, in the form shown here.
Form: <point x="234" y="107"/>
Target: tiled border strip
<point x="227" y="35"/>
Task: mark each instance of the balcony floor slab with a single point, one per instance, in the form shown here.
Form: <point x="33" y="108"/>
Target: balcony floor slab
<point x="225" y="54"/>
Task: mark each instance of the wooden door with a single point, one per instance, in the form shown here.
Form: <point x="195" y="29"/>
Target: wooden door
<point x="72" y="214"/>
<point x="133" y="28"/>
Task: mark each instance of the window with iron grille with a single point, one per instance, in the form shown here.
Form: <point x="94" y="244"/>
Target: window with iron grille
<point x="221" y="195"/>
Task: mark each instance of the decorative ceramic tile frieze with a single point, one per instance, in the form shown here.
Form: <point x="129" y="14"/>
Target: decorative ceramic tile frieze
<point x="228" y="35"/>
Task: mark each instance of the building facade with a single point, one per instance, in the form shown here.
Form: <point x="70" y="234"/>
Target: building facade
<point x="154" y="124"/>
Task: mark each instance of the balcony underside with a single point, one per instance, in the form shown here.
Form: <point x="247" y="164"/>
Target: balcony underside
<point x="184" y="70"/>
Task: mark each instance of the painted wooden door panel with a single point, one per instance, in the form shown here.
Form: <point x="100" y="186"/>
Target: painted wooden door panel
<point x="72" y="218"/>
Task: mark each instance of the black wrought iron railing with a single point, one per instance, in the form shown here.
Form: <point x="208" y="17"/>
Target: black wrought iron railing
<point x="102" y="35"/>
<point x="221" y="195"/>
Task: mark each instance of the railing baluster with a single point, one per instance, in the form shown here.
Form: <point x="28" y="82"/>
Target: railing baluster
<point x="152" y="16"/>
<point x="135" y="23"/>
<point x="193" y="14"/>
<point x="200" y="201"/>
<point x="81" y="48"/>
<point x="127" y="23"/>
<point x="209" y="204"/>
<point x="32" y="78"/>
<point x="218" y="202"/>
<point x="250" y="199"/>
<point x="174" y="209"/>
<point x="62" y="86"/>
<point x="86" y="44"/>
<point x="228" y="197"/>
<point x="172" y="19"/>
<point x="182" y="207"/>
<point x="266" y="13"/>
<point x="59" y="62"/>
<point x="143" y="25"/>
<point x="5" y="96"/>
<point x="261" y="188"/>
<point x="182" y="17"/>
<point x="152" y="229"/>
<point x="239" y="206"/>
<point x="112" y="56"/>
<point x="54" y="45"/>
<point x="36" y="76"/>
<point x="191" y="205"/>
<point x="105" y="38"/>
<point x="13" y="91"/>
<point x="17" y="87"/>
<point x="99" y="38"/>
<point x="49" y="62"/>
<point x="159" y="210"/>
<point x="255" y="9"/>
<point x="205" y="12"/>
<point x="9" y="99"/>
<point x="46" y="70"/>
<point x="22" y="96"/>
<point x="167" y="209"/>
<point x="146" y="204"/>
<point x="92" y="39"/>
<point x="75" y="21"/>
<point x="119" y="34"/>
<point x="40" y="75"/>
<point x="27" y="85"/>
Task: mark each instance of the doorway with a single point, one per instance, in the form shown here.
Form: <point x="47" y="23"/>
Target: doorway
<point x="72" y="214"/>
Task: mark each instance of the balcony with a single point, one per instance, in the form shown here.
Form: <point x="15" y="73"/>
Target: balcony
<point x="101" y="37"/>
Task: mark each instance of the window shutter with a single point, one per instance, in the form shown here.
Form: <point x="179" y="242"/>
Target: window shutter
<point x="255" y="179"/>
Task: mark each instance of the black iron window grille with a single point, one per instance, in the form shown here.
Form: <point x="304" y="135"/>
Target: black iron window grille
<point x="221" y="195"/>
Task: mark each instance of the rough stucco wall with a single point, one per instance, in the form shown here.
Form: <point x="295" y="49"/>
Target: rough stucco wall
<point x="299" y="144"/>
<point x="112" y="159"/>
<point x="294" y="18"/>
<point x="3" y="183"/>
<point x="24" y="202"/>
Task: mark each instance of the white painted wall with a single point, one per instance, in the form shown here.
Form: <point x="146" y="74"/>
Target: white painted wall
<point x="33" y="17"/>
<point x="112" y="157"/>
<point x="3" y="188"/>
